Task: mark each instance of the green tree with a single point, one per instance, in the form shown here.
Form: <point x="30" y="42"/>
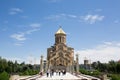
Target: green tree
<point x="4" y="76"/>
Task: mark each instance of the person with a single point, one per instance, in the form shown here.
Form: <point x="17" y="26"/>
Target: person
<point x="50" y="73"/>
<point x="59" y="72"/>
<point x="56" y="72"/>
<point x="65" y="72"/>
<point x="47" y="73"/>
<point x="62" y="72"/>
<point x="41" y="73"/>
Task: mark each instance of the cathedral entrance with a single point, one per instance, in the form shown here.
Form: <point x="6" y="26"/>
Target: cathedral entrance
<point x="58" y="67"/>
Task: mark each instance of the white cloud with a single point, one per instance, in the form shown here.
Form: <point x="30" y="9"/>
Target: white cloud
<point x="35" y="25"/>
<point x="28" y="60"/>
<point x="13" y="59"/>
<point x="61" y="16"/>
<point x="19" y="36"/>
<point x="31" y="31"/>
<point x="14" y="11"/>
<point x="104" y="52"/>
<point x="72" y="16"/>
<point x="92" y="18"/>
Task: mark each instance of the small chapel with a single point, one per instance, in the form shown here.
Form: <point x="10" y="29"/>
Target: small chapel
<point x="60" y="56"/>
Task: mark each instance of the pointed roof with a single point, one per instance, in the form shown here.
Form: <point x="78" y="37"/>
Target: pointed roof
<point x="60" y="31"/>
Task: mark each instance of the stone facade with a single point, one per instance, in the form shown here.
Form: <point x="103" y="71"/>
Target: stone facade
<point x="60" y="56"/>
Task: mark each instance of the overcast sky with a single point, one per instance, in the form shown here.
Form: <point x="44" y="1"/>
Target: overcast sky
<point x="27" y="28"/>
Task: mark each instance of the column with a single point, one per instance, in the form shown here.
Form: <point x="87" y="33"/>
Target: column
<point x="77" y="63"/>
<point x="41" y="64"/>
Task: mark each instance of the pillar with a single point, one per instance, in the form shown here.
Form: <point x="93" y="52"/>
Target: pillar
<point x="77" y="63"/>
<point x="41" y="64"/>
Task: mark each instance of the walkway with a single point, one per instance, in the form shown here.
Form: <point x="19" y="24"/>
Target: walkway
<point x="67" y="76"/>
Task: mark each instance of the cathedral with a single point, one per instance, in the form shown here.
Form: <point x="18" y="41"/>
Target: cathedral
<point x="60" y="56"/>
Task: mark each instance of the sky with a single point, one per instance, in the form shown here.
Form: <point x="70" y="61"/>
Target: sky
<point x="28" y="27"/>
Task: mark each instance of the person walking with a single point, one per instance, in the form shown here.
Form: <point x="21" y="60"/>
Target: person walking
<point x="50" y="73"/>
<point x="56" y="72"/>
<point x="47" y="73"/>
<point x="59" y="72"/>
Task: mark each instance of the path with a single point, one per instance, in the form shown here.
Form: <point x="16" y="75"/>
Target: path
<point x="67" y="76"/>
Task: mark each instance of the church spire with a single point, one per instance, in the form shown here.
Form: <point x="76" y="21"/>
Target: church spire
<point x="60" y="31"/>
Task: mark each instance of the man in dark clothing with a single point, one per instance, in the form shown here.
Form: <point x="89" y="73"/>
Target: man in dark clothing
<point x="59" y="72"/>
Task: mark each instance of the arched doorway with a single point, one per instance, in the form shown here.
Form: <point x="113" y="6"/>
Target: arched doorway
<point x="59" y="67"/>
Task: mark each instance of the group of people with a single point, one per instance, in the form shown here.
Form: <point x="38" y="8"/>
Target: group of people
<point x="58" y="72"/>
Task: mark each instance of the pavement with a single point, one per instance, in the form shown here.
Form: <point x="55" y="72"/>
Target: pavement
<point x="59" y="77"/>
<point x="67" y="76"/>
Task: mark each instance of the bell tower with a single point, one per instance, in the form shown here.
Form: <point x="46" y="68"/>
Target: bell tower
<point x="60" y="37"/>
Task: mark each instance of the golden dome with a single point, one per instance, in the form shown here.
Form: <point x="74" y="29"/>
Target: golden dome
<point x="60" y="31"/>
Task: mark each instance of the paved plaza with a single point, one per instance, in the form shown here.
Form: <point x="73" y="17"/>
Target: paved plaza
<point x="68" y="76"/>
<point x="61" y="77"/>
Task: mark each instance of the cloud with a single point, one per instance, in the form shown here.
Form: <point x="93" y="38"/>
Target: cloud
<point x="13" y="59"/>
<point x="14" y="11"/>
<point x="35" y="25"/>
<point x="61" y="16"/>
<point x="92" y="18"/>
<point x="31" y="31"/>
<point x="18" y="36"/>
<point x="72" y="16"/>
<point x="28" y="59"/>
<point x="103" y="52"/>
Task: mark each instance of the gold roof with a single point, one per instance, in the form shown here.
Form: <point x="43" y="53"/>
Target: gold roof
<point x="60" y="31"/>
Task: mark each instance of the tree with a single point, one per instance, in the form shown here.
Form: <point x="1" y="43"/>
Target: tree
<point x="112" y="66"/>
<point x="118" y="68"/>
<point x="4" y="76"/>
